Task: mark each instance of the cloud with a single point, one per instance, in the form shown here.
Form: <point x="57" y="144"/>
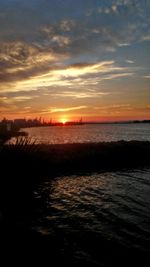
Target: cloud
<point x="20" y="61"/>
<point x="21" y="98"/>
<point x="61" y="40"/>
<point x="17" y="53"/>
<point x="40" y="23"/>
<point x="84" y="74"/>
<point x="67" y="25"/>
<point x="53" y="35"/>
<point x="62" y="76"/>
<point x="145" y="37"/>
<point x="122" y="109"/>
<point x="73" y="36"/>
<point x="77" y="94"/>
<point x="147" y="77"/>
<point x="84" y="69"/>
<point x="55" y="110"/>
<point x="129" y="61"/>
<point x="117" y="75"/>
<point x="115" y="109"/>
<point x="28" y="107"/>
<point x="114" y="106"/>
<point x="13" y="100"/>
<point x="108" y="10"/>
<point x="123" y="44"/>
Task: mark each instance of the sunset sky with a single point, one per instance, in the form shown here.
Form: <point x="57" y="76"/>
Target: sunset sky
<point x="75" y="58"/>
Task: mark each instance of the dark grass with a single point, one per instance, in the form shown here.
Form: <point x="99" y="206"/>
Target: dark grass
<point x="24" y="165"/>
<point x="71" y="158"/>
<point x="6" y="135"/>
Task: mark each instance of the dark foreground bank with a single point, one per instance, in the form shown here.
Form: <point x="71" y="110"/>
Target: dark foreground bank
<point x="59" y="159"/>
<point x="6" y="135"/>
<point x="24" y="166"/>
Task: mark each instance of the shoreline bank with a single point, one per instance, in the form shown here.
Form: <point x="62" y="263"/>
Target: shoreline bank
<point x="71" y="158"/>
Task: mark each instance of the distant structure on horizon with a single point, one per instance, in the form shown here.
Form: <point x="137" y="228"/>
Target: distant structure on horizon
<point x="16" y="124"/>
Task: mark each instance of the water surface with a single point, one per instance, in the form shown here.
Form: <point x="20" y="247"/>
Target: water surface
<point x="90" y="133"/>
<point x="94" y="211"/>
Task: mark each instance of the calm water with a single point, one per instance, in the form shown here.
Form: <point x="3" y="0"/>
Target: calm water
<point x="90" y="133"/>
<point x="81" y="211"/>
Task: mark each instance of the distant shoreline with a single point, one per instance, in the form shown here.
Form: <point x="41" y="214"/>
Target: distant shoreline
<point x="119" y="122"/>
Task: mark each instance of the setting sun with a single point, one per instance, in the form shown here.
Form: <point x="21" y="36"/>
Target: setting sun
<point x="63" y="120"/>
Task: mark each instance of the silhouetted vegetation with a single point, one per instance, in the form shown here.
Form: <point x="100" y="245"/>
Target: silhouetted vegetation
<point x="9" y="129"/>
<point x="58" y="159"/>
<point x="5" y="136"/>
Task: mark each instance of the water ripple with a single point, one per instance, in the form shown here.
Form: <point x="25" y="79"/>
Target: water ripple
<point x="113" y="206"/>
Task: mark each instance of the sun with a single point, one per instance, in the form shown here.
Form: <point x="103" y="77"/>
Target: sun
<point x="63" y="120"/>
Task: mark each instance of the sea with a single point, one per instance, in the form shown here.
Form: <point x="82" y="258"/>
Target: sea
<point x="94" y="214"/>
<point x="96" y="217"/>
<point x="89" y="133"/>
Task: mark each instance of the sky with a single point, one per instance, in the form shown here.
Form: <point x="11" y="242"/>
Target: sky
<point x="66" y="59"/>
